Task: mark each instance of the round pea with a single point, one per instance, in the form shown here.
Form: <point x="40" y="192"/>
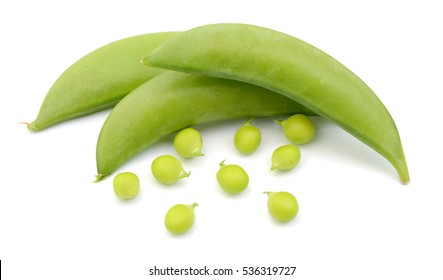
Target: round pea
<point x="247" y="138"/>
<point x="232" y="178"/>
<point x="168" y="169"/>
<point x="298" y="129"/>
<point x="126" y="185"/>
<point x="188" y="143"/>
<point x="282" y="206"/>
<point x="285" y="157"/>
<point x="180" y="218"/>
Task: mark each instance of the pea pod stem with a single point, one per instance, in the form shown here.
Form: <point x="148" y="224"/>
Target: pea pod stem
<point x="197" y="152"/>
<point x="173" y="101"/>
<point x="193" y="205"/>
<point x="221" y="164"/>
<point x="279" y="122"/>
<point x="184" y="174"/>
<point x="291" y="67"/>
<point x="249" y="121"/>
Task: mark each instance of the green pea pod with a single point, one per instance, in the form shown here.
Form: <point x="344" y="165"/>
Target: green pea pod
<point x="98" y="80"/>
<point x="173" y="101"/>
<point x="291" y="67"/>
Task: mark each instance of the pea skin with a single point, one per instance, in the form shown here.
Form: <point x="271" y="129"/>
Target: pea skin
<point x="298" y="129"/>
<point x="283" y="206"/>
<point x="247" y="138"/>
<point x="285" y="157"/>
<point x="180" y="218"/>
<point x="188" y="143"/>
<point x="232" y="178"/>
<point x="168" y="169"/>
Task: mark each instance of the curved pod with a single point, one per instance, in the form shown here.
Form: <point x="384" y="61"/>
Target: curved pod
<point x="173" y="101"/>
<point x="98" y="80"/>
<point x="291" y="67"/>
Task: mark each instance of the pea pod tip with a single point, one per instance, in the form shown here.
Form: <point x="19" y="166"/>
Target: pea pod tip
<point x="30" y="126"/>
<point x="405" y="179"/>
<point x="145" y="61"/>
<point x="99" y="177"/>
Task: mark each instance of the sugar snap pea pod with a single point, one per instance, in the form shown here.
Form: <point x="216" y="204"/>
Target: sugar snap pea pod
<point x="173" y="101"/>
<point x="98" y="80"/>
<point x="291" y="67"/>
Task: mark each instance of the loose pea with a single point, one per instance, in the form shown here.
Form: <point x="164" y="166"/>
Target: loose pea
<point x="188" y="143"/>
<point x="247" y="138"/>
<point x="232" y="178"/>
<point x="126" y="185"/>
<point x="282" y="206"/>
<point x="180" y="218"/>
<point x="168" y="169"/>
<point x="298" y="129"/>
<point x="285" y="157"/>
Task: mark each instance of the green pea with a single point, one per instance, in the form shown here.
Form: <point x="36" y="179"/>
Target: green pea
<point x="168" y="169"/>
<point x="188" y="143"/>
<point x="298" y="129"/>
<point x="232" y="178"/>
<point x="126" y="185"/>
<point x="180" y="218"/>
<point x="285" y="157"/>
<point x="247" y="138"/>
<point x="282" y="206"/>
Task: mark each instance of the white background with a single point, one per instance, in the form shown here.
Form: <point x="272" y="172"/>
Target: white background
<point x="356" y="220"/>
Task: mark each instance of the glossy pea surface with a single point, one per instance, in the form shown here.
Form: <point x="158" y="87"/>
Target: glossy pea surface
<point x="247" y="138"/>
<point x="298" y="129"/>
<point x="126" y="185"/>
<point x="180" y="218"/>
<point x="188" y="143"/>
<point x="285" y="157"/>
<point x="168" y="169"/>
<point x="283" y="206"/>
<point x="232" y="178"/>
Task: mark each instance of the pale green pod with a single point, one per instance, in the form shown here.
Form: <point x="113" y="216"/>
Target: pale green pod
<point x="98" y="80"/>
<point x="291" y="67"/>
<point x="173" y="101"/>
